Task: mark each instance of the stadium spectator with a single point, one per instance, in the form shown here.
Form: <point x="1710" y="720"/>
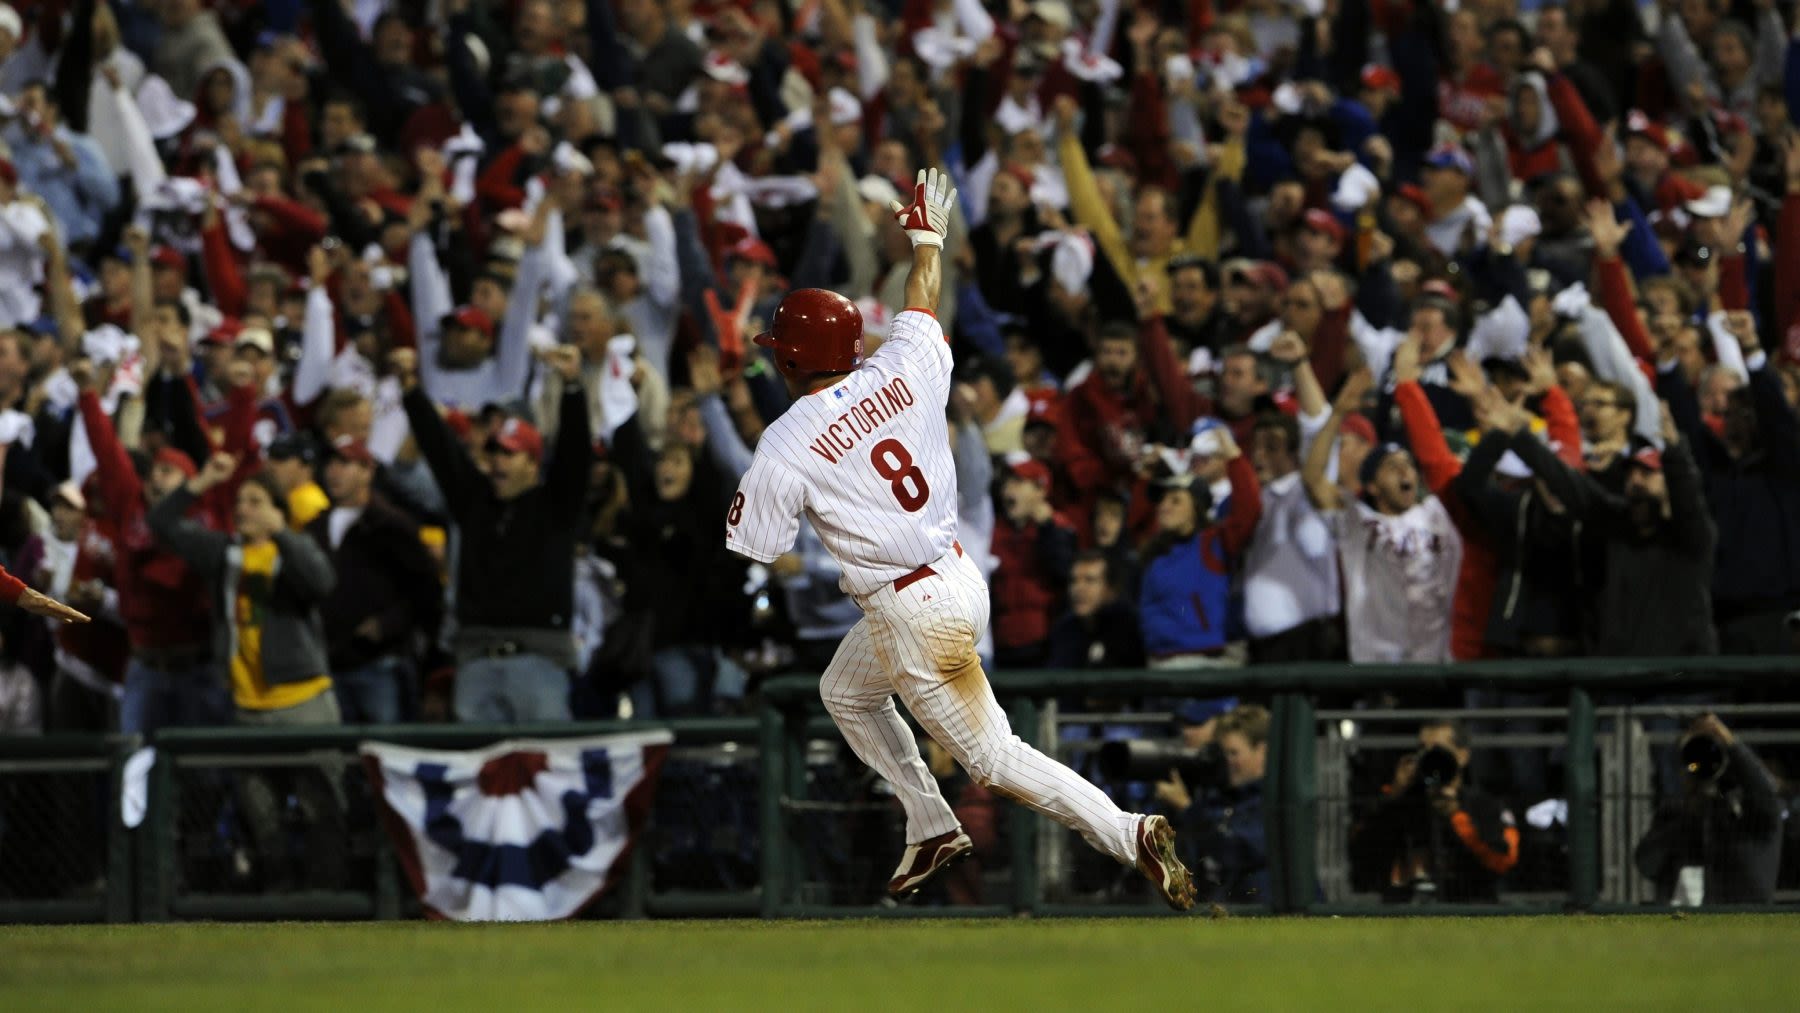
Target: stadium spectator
<point x="1100" y="630"/>
<point x="1222" y="827"/>
<point x="386" y="593"/>
<point x="1034" y="548"/>
<point x="1188" y="566"/>
<point x="1434" y="835"/>
<point x="1399" y="553"/>
<point x="1719" y="841"/>
<point x="515" y="580"/>
<point x="1291" y="597"/>
<point x="292" y="461"/>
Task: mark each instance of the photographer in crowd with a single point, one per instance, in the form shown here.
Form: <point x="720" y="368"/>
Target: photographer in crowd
<point x="1221" y="829"/>
<point x="1435" y="836"/>
<point x="1719" y="841"/>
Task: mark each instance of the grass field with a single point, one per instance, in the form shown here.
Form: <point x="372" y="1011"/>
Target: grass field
<point x="1647" y="962"/>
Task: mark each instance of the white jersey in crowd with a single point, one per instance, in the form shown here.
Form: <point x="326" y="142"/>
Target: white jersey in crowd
<point x="1291" y="566"/>
<point x="868" y="461"/>
<point x="1399" y="580"/>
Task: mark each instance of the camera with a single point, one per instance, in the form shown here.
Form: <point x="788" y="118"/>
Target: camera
<point x="1703" y="759"/>
<point x="1434" y="767"/>
<point x="1202" y="767"/>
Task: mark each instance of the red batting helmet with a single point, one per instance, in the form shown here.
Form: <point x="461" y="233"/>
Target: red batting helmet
<point x="815" y="331"/>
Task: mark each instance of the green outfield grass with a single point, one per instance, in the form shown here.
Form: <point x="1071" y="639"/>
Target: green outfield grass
<point x="1649" y="962"/>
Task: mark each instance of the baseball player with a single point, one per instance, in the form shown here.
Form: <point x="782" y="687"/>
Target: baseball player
<point x="864" y="453"/>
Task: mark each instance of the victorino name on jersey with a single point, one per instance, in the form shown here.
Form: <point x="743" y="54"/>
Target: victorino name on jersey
<point x="863" y="418"/>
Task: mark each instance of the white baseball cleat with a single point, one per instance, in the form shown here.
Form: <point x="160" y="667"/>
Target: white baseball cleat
<point x="926" y="859"/>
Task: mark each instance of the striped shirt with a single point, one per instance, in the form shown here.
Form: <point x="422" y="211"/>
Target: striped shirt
<point x="867" y="461"/>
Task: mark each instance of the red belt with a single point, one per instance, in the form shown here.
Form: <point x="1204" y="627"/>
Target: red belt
<point x="922" y="572"/>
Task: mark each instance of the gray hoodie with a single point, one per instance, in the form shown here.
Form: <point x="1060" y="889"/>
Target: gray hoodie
<point x="293" y="638"/>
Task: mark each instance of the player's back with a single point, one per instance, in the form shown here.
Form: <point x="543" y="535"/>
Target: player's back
<point x="868" y="459"/>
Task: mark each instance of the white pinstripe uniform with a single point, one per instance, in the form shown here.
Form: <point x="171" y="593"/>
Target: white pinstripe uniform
<point x="868" y="461"/>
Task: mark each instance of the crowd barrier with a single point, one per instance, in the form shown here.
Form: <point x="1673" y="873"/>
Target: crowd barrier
<point x="767" y="815"/>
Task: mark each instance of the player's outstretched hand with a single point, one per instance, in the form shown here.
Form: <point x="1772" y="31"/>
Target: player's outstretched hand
<point x="38" y="603"/>
<point x="927" y="219"/>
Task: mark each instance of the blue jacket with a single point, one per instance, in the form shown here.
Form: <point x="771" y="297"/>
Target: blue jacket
<point x="1184" y="601"/>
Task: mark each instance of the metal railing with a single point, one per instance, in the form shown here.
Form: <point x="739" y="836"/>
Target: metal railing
<point x="798" y="814"/>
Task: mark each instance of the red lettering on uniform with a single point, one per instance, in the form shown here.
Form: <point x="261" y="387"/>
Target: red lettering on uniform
<point x="869" y="408"/>
<point x="905" y="392"/>
<point x="891" y="401"/>
<point x="843" y="442"/>
<point x="824" y="449"/>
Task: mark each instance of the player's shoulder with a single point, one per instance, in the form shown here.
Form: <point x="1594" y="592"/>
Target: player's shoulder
<point x="916" y="322"/>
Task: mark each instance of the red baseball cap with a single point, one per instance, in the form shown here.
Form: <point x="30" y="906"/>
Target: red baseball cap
<point x="1414" y="194"/>
<point x="1321" y="220"/>
<point x="754" y="250"/>
<point x="458" y="421"/>
<point x="178" y="460"/>
<point x="1358" y="424"/>
<point x="1639" y="125"/>
<point x="225" y="332"/>
<point x="1647" y="456"/>
<point x="471" y="317"/>
<point x="1377" y="77"/>
<point x="1043" y="409"/>
<point x="352" y="449"/>
<point x="1033" y="471"/>
<point x="168" y="256"/>
<point x="517" y="436"/>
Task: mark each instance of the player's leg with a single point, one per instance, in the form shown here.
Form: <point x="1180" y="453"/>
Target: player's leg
<point x="942" y="683"/>
<point x="860" y="700"/>
<point x="930" y="636"/>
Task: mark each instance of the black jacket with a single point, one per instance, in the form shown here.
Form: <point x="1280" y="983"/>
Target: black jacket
<point x="1755" y="499"/>
<point x="516" y="570"/>
<point x="1734" y="833"/>
<point x="383" y="572"/>
<point x="1656" y="598"/>
<point x="672" y="558"/>
<point x="1537" y="590"/>
<point x="1109" y="639"/>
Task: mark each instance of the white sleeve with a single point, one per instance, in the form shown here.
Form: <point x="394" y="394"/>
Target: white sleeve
<point x="1310" y="428"/>
<point x="1725" y="346"/>
<point x="430" y="302"/>
<point x="764" y="517"/>
<point x="318" y="347"/>
<point x="1377" y="345"/>
<point x="916" y="347"/>
<point x="1500" y="333"/>
<point x="662" y="271"/>
<point x="871" y="59"/>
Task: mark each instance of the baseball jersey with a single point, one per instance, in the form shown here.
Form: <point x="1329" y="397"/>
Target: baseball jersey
<point x="866" y="460"/>
<point x="1399" y="580"/>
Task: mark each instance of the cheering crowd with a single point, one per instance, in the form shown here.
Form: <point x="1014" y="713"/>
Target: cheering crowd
<point x="391" y="361"/>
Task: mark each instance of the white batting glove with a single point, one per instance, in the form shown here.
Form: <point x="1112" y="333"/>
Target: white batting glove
<point x="927" y="219"/>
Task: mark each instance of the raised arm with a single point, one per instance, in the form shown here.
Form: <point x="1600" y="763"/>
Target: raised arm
<point x="318" y="333"/>
<point x="203" y="549"/>
<point x="926" y="221"/>
<point x="566" y="475"/>
<point x="450" y="464"/>
<point x="1239" y="525"/>
<point x="1315" y="473"/>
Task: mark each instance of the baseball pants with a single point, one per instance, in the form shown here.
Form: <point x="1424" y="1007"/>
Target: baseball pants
<point x="918" y="643"/>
